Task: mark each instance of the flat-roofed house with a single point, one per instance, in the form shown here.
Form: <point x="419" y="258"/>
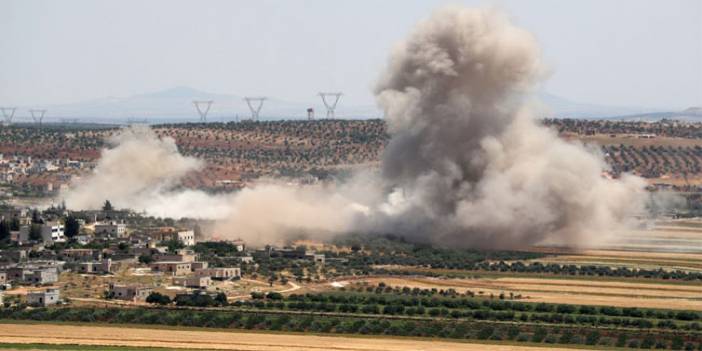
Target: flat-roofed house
<point x="129" y="292"/>
<point x="171" y="267"/>
<point x="111" y="229"/>
<point x="197" y="282"/>
<point x="43" y="298"/>
<point x="219" y="273"/>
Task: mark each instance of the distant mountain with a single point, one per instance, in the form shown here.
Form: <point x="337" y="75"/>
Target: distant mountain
<point x="692" y="114"/>
<point x="559" y="107"/>
<point x="176" y="105"/>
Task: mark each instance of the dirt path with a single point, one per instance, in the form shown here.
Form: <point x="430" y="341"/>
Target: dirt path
<point x="218" y="340"/>
<point x="293" y="287"/>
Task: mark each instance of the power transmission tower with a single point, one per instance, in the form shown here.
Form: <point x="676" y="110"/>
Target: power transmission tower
<point x="203" y="113"/>
<point x="37" y="116"/>
<point x="255" y="110"/>
<point x="8" y="113"/>
<point x="330" y="106"/>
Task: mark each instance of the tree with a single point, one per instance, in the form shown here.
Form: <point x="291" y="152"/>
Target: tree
<point x="107" y="206"/>
<point x="173" y="245"/>
<point x="593" y="338"/>
<point x="145" y="259"/>
<point x="158" y="298"/>
<point x="221" y="299"/>
<point x="539" y="335"/>
<point x="35" y="232"/>
<point x="36" y="217"/>
<point x="274" y="295"/>
<point x="14" y="223"/>
<point x="678" y="343"/>
<point x="71" y="227"/>
<point x="4" y="229"/>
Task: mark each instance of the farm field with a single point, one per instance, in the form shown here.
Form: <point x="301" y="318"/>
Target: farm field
<point x="631" y="259"/>
<point x="670" y="245"/>
<point x="218" y="340"/>
<point x="566" y="291"/>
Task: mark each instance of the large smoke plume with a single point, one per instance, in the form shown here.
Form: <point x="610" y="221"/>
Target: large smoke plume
<point x="466" y="164"/>
<point x="473" y="165"/>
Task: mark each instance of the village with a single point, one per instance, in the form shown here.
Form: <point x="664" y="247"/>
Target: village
<point x="41" y="177"/>
<point x="58" y="257"/>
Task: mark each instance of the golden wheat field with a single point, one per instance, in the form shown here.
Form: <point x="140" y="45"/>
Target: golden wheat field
<point x="219" y="340"/>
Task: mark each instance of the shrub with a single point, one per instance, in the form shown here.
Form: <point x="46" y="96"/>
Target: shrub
<point x="158" y="298"/>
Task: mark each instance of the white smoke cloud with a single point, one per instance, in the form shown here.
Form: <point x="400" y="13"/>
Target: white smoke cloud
<point x="466" y="163"/>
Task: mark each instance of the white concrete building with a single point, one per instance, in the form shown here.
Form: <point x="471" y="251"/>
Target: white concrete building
<point x="129" y="292"/>
<point x="53" y="232"/>
<point x="219" y="273"/>
<point x="43" y="298"/>
<point x="193" y="282"/>
<point x="112" y="229"/>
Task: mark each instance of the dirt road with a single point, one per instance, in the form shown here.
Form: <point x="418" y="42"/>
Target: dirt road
<point x="220" y="340"/>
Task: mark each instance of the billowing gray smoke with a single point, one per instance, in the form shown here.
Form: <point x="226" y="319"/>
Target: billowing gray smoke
<point x="472" y="166"/>
<point x="466" y="164"/>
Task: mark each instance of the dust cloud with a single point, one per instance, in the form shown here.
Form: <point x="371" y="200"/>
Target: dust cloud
<point x="467" y="165"/>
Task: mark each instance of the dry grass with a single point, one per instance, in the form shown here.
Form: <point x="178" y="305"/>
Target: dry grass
<point x="218" y="340"/>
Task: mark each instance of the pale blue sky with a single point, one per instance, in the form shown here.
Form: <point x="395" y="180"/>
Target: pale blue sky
<point x="636" y="53"/>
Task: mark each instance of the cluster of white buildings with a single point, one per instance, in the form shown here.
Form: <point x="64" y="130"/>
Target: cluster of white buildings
<point x="16" y="166"/>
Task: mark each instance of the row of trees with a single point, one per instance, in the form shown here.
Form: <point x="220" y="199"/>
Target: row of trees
<point x="462" y="308"/>
<point x="434" y="328"/>
<point x="559" y="269"/>
<point x="663" y="127"/>
<point x="196" y="299"/>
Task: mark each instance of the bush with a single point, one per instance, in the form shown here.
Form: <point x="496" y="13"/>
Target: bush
<point x="485" y="332"/>
<point x="539" y="335"/>
<point x="593" y="338"/>
<point x="158" y="298"/>
<point x="274" y="296"/>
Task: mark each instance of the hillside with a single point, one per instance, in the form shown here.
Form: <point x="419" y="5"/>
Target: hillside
<point x="236" y="153"/>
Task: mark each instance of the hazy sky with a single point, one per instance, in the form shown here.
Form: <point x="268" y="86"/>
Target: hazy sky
<point x="635" y="53"/>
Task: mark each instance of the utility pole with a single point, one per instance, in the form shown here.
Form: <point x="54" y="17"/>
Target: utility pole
<point x="331" y="106"/>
